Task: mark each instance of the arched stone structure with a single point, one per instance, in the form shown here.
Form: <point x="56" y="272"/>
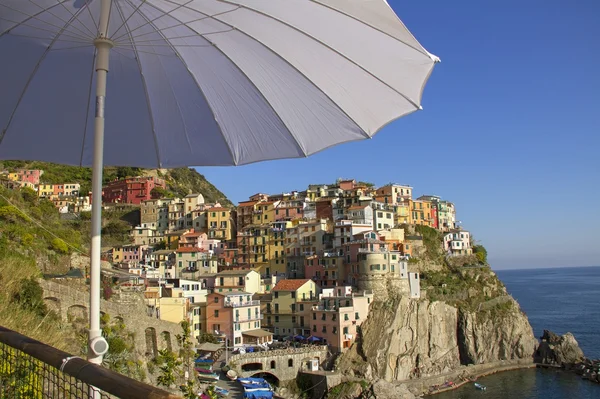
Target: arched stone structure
<point x="77" y="312"/>
<point x="132" y="312"/>
<point x="280" y="358"/>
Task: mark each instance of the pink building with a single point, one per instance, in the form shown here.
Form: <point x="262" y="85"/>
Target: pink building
<point x="195" y="239"/>
<point x="235" y="316"/>
<point x="336" y="318"/>
<point x="326" y="270"/>
<point x="31" y="176"/>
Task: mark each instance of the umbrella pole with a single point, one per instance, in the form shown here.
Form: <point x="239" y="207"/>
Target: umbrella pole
<point x="97" y="346"/>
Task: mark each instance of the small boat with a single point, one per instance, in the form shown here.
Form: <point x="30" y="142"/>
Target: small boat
<point x="208" y="377"/>
<point x="222" y="392"/>
<point x="251" y="380"/>
<point x="480" y="386"/>
<point x="201" y="370"/>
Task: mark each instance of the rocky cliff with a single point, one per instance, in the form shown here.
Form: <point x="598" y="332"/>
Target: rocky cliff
<point x="468" y="319"/>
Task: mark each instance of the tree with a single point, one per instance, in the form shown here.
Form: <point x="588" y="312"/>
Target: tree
<point x="481" y="253"/>
<point x="168" y="365"/>
<point x="159" y="192"/>
<point x="186" y="352"/>
<point x="29" y="195"/>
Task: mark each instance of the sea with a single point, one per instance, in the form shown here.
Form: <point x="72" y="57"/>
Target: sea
<point x="560" y="300"/>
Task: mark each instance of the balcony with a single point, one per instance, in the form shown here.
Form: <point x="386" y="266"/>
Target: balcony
<point x="321" y="308"/>
<point x="247" y="319"/>
<point x="240" y="304"/>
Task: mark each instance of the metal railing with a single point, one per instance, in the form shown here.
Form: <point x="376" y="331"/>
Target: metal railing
<point x="31" y="369"/>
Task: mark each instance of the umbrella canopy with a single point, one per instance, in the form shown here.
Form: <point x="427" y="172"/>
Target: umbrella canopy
<point x="202" y="82"/>
<point x="197" y="82"/>
<point x="312" y="338"/>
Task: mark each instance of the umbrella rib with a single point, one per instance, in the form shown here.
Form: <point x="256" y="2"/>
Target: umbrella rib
<point x="87" y="113"/>
<point x="377" y="29"/>
<point x="152" y="20"/>
<point x="325" y="45"/>
<point x="24" y="23"/>
<point x="147" y="95"/>
<point x="187" y="138"/>
<point x="29" y="17"/>
<point x="43" y="29"/>
<point x="86" y="27"/>
<point x="235" y="161"/>
<point x="176" y="25"/>
<point x="363" y="132"/>
<point x="33" y="73"/>
<point x="298" y="144"/>
<point x="73" y="18"/>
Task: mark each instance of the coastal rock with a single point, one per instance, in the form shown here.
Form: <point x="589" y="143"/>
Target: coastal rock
<point x="504" y="334"/>
<point x="406" y="339"/>
<point x="383" y="390"/>
<point x="558" y="349"/>
<point x="403" y="339"/>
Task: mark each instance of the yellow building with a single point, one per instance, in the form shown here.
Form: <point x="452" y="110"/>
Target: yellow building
<point x="219" y="223"/>
<point x="276" y="247"/>
<point x="13" y="176"/>
<point x="264" y="212"/>
<point x="45" y="190"/>
<point x="420" y="211"/>
<point x="290" y="300"/>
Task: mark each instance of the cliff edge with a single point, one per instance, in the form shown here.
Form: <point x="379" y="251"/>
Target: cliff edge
<point x="464" y="317"/>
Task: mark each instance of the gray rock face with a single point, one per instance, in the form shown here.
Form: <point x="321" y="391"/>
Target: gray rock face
<point x="485" y="338"/>
<point x="404" y="339"/>
<point x="559" y="350"/>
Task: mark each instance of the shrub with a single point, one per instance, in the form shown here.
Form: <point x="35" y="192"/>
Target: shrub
<point x="59" y="246"/>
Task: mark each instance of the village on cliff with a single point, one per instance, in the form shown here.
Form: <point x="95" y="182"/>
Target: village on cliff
<point x="299" y="265"/>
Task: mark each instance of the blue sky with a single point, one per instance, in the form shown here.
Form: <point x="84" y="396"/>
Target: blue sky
<point x="510" y="130"/>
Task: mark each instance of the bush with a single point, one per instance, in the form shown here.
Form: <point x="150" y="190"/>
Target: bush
<point x="59" y="246"/>
<point x="481" y="253"/>
<point x="30" y="296"/>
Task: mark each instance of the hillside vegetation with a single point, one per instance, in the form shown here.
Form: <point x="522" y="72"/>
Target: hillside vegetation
<point x="180" y="181"/>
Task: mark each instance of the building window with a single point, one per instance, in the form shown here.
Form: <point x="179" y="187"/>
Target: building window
<point x="290" y="362"/>
<point x="272" y="364"/>
<point x="314" y="316"/>
<point x="216" y="313"/>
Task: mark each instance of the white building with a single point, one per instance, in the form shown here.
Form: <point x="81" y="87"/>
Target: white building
<point x="458" y="242"/>
<point x="415" y="285"/>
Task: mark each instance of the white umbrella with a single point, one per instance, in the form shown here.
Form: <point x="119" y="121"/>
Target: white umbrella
<point x="198" y="82"/>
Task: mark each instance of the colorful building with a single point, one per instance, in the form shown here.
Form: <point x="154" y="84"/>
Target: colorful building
<point x="337" y="318"/>
<point x="290" y="301"/>
<point x="219" y="223"/>
<point x="458" y="242"/>
<point x="394" y="194"/>
<point x="233" y="315"/>
<point x="132" y="190"/>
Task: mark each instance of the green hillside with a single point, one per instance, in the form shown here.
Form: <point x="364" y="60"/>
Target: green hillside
<point x="180" y="181"/>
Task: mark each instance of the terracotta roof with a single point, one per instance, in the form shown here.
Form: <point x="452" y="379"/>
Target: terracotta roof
<point x="247" y="203"/>
<point x="189" y="250"/>
<point x="217" y="208"/>
<point x="195" y="234"/>
<point x="290" y="284"/>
